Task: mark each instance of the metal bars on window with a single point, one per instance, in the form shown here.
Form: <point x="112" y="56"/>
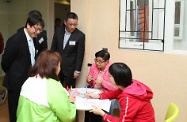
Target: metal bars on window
<point x="142" y="24"/>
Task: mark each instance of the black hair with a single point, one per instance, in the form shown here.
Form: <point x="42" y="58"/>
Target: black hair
<point x="57" y="19"/>
<point x="121" y="74"/>
<point x="71" y="15"/>
<point x="35" y="13"/>
<point x="35" y="17"/>
<point x="104" y="54"/>
<point x="35" y="20"/>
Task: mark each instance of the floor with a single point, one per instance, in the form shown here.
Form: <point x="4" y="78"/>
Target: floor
<point x="4" y="116"/>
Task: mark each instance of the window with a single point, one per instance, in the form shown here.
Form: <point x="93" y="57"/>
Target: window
<point x="180" y="29"/>
<point x="150" y="24"/>
<point x="142" y="24"/>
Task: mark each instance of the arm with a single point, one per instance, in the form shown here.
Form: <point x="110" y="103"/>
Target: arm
<point x="111" y="94"/>
<point x="80" y="52"/>
<point x="105" y="95"/>
<point x="128" y="110"/>
<point x="10" y="54"/>
<point x="90" y="78"/>
<point x="60" y="104"/>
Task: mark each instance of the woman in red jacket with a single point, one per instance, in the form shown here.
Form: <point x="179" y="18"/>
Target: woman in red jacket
<point x="134" y="97"/>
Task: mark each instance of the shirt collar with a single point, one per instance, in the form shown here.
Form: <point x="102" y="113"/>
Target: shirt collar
<point x="69" y="33"/>
<point x="27" y="35"/>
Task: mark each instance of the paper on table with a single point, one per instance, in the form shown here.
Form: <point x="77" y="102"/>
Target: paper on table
<point x="86" y="104"/>
<point x="83" y="103"/>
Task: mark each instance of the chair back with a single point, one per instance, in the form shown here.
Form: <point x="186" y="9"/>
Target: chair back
<point x="171" y="113"/>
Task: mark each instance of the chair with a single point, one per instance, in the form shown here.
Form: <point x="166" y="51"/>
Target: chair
<point x="171" y="113"/>
<point x="114" y="105"/>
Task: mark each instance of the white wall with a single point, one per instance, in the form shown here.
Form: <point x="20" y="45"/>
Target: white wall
<point x="14" y="14"/>
<point x="164" y="73"/>
<point x="4" y="23"/>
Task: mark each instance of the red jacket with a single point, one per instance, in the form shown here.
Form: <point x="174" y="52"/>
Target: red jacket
<point x="135" y="103"/>
<point x="1" y="43"/>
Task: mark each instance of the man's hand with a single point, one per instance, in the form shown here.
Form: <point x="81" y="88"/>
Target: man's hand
<point x="76" y="75"/>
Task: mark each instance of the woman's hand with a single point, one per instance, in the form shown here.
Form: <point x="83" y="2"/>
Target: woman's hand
<point x="98" y="84"/>
<point x="92" y="95"/>
<point x="72" y="98"/>
<point x="90" y="78"/>
<point x="97" y="111"/>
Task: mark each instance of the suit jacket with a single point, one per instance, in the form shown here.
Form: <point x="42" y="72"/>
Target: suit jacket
<point x="16" y="61"/>
<point x="40" y="42"/>
<point x="73" y="53"/>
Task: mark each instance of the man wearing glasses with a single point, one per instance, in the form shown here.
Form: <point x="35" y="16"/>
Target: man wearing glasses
<point x="70" y="43"/>
<point x="18" y="57"/>
<point x="40" y="41"/>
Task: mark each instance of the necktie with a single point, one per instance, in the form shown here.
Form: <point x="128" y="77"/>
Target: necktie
<point x="32" y="51"/>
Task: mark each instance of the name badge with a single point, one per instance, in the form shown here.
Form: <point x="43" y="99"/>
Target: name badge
<point x="71" y="42"/>
<point x="41" y="40"/>
<point x="36" y="51"/>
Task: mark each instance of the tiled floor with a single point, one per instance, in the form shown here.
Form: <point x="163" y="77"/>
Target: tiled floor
<point x="4" y="116"/>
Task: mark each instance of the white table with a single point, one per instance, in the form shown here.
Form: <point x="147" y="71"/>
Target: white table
<point x="82" y="103"/>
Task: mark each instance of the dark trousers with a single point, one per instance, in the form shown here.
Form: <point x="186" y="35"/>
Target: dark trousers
<point x="69" y="81"/>
<point x="12" y="105"/>
<point x="91" y="117"/>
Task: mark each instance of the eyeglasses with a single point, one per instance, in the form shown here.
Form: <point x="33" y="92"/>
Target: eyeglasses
<point x="99" y="61"/>
<point x="37" y="29"/>
<point x="71" y="24"/>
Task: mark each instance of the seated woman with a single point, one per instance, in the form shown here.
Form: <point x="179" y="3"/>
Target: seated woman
<point x="98" y="78"/>
<point x="134" y="97"/>
<point x="42" y="97"/>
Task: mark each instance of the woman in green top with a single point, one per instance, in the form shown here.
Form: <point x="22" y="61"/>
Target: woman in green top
<point x="42" y="97"/>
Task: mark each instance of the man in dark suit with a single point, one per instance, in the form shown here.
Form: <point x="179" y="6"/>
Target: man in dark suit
<point x="40" y="42"/>
<point x="17" y="60"/>
<point x="70" y="42"/>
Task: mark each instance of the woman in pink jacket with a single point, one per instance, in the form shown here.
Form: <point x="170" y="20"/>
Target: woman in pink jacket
<point x="134" y="97"/>
<point x="98" y="78"/>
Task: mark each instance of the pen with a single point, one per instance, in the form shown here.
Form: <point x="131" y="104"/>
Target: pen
<point x="70" y="89"/>
<point x="86" y="92"/>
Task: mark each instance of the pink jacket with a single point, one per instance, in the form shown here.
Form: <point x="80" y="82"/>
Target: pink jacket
<point x="106" y="84"/>
<point x="135" y="103"/>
